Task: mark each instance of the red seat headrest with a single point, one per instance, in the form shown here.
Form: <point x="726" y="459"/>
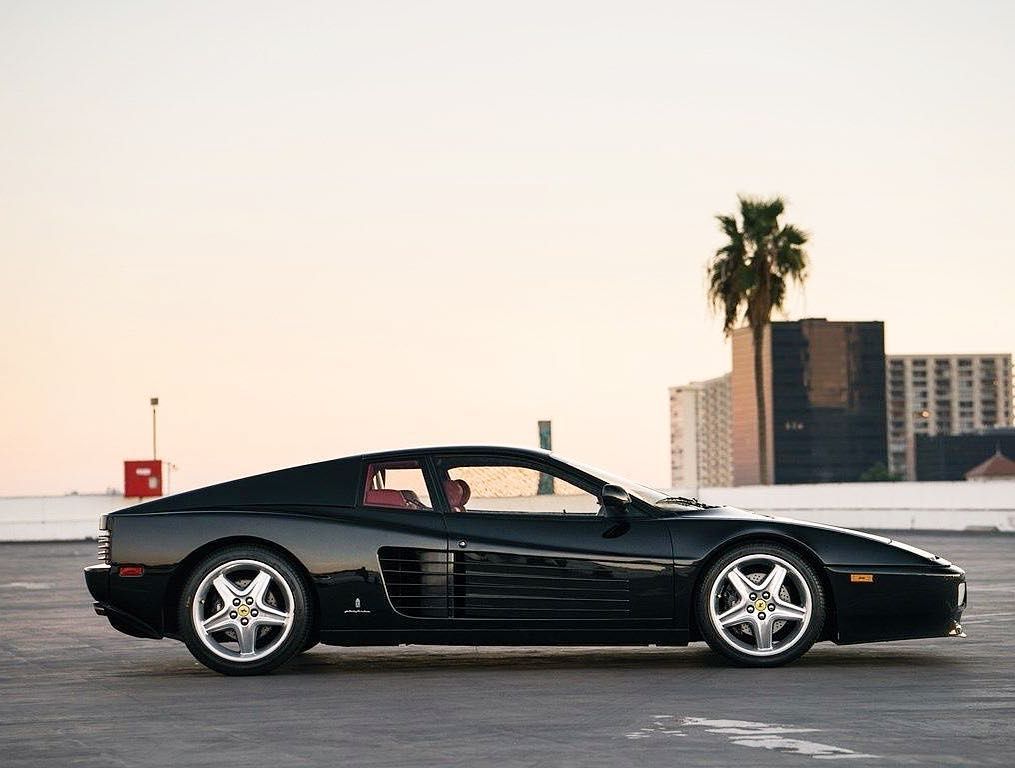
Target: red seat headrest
<point x="466" y="491"/>
<point x="454" y="493"/>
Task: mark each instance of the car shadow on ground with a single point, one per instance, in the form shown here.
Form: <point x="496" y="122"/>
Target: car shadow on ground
<point x="325" y="660"/>
<point x="332" y="660"/>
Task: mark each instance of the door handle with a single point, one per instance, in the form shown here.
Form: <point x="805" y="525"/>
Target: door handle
<point x="462" y="543"/>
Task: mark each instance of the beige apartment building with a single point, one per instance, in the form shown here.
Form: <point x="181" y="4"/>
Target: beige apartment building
<point x="943" y="395"/>
<point x="701" y="434"/>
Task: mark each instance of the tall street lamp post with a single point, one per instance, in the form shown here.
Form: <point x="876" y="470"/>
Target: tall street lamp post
<point x="155" y="405"/>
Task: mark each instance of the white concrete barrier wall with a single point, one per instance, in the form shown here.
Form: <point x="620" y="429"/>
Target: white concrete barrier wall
<point x="952" y="506"/>
<point x="55" y="518"/>
<point x="870" y="506"/>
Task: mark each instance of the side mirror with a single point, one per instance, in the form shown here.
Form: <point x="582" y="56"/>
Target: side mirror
<point x="615" y="500"/>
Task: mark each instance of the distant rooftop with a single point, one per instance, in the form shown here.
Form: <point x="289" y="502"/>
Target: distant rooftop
<point x="948" y="355"/>
<point x="997" y="465"/>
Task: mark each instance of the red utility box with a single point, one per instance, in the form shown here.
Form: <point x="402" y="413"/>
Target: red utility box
<point x="142" y="478"/>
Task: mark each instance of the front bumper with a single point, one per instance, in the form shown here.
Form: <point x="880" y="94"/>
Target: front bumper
<point x="897" y="603"/>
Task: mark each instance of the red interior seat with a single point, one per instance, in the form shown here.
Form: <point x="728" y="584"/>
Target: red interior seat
<point x="386" y="497"/>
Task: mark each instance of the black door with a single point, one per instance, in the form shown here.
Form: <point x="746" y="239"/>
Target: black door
<point x="529" y="547"/>
<point x="530" y="570"/>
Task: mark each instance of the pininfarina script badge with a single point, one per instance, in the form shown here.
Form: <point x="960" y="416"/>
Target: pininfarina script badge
<point x="357" y="608"/>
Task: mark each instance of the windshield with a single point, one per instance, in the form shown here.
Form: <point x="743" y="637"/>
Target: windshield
<point x="639" y="491"/>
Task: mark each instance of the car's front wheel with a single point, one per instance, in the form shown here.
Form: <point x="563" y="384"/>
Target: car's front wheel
<point x="761" y="605"/>
<point x="245" y="610"/>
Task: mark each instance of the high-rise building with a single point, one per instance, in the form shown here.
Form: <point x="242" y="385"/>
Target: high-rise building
<point x="931" y="395"/>
<point x="824" y="402"/>
<point x="700" y="434"/>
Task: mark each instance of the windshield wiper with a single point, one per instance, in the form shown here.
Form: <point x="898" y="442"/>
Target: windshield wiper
<point x="686" y="501"/>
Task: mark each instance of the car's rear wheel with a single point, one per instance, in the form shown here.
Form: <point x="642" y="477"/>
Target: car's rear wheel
<point x="245" y="610"/>
<point x="761" y="605"/>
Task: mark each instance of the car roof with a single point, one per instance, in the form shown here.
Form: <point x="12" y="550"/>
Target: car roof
<point x="505" y="450"/>
<point x="334" y="482"/>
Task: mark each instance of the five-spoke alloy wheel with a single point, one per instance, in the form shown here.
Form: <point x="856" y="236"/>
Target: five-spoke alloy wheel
<point x="761" y="605"/>
<point x="245" y="611"/>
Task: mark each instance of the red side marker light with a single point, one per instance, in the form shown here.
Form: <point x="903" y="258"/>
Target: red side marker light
<point x="132" y="570"/>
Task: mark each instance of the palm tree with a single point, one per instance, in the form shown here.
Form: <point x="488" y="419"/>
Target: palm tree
<point x="747" y="281"/>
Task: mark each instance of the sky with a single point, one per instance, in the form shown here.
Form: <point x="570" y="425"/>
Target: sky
<point x="315" y="229"/>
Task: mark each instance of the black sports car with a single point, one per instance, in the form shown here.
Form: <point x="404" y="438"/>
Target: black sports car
<point x="497" y="546"/>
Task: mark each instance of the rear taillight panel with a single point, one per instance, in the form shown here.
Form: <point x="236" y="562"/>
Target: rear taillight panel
<point x="105" y="543"/>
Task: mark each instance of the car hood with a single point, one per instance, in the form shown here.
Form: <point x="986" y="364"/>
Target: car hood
<point x="743" y="514"/>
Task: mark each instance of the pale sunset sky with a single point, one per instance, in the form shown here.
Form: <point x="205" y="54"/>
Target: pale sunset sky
<point x="314" y="229"/>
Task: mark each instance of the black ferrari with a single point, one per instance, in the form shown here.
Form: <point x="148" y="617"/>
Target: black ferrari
<point x="497" y="546"/>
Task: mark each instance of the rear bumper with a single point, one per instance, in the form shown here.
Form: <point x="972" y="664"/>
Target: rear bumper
<point x="99" y="580"/>
<point x="897" y="603"/>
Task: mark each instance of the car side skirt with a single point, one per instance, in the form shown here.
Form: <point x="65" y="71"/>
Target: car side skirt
<point x="506" y="637"/>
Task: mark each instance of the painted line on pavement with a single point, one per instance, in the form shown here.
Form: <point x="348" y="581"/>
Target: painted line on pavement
<point x="746" y="733"/>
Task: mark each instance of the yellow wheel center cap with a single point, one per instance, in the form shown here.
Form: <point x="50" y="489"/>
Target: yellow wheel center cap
<point x="759" y="605"/>
<point x="244" y="611"/>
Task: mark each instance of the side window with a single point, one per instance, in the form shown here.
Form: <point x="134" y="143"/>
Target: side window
<point x="482" y="487"/>
<point x="396" y="484"/>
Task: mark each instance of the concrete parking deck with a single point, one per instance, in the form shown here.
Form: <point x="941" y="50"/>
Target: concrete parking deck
<point x="75" y="692"/>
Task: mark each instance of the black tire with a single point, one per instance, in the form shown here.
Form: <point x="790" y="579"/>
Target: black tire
<point x="798" y="641"/>
<point x="279" y="648"/>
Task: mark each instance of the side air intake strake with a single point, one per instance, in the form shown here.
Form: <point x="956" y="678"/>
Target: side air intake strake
<point x="423" y="583"/>
<point x="492" y="585"/>
<point x="416" y="580"/>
